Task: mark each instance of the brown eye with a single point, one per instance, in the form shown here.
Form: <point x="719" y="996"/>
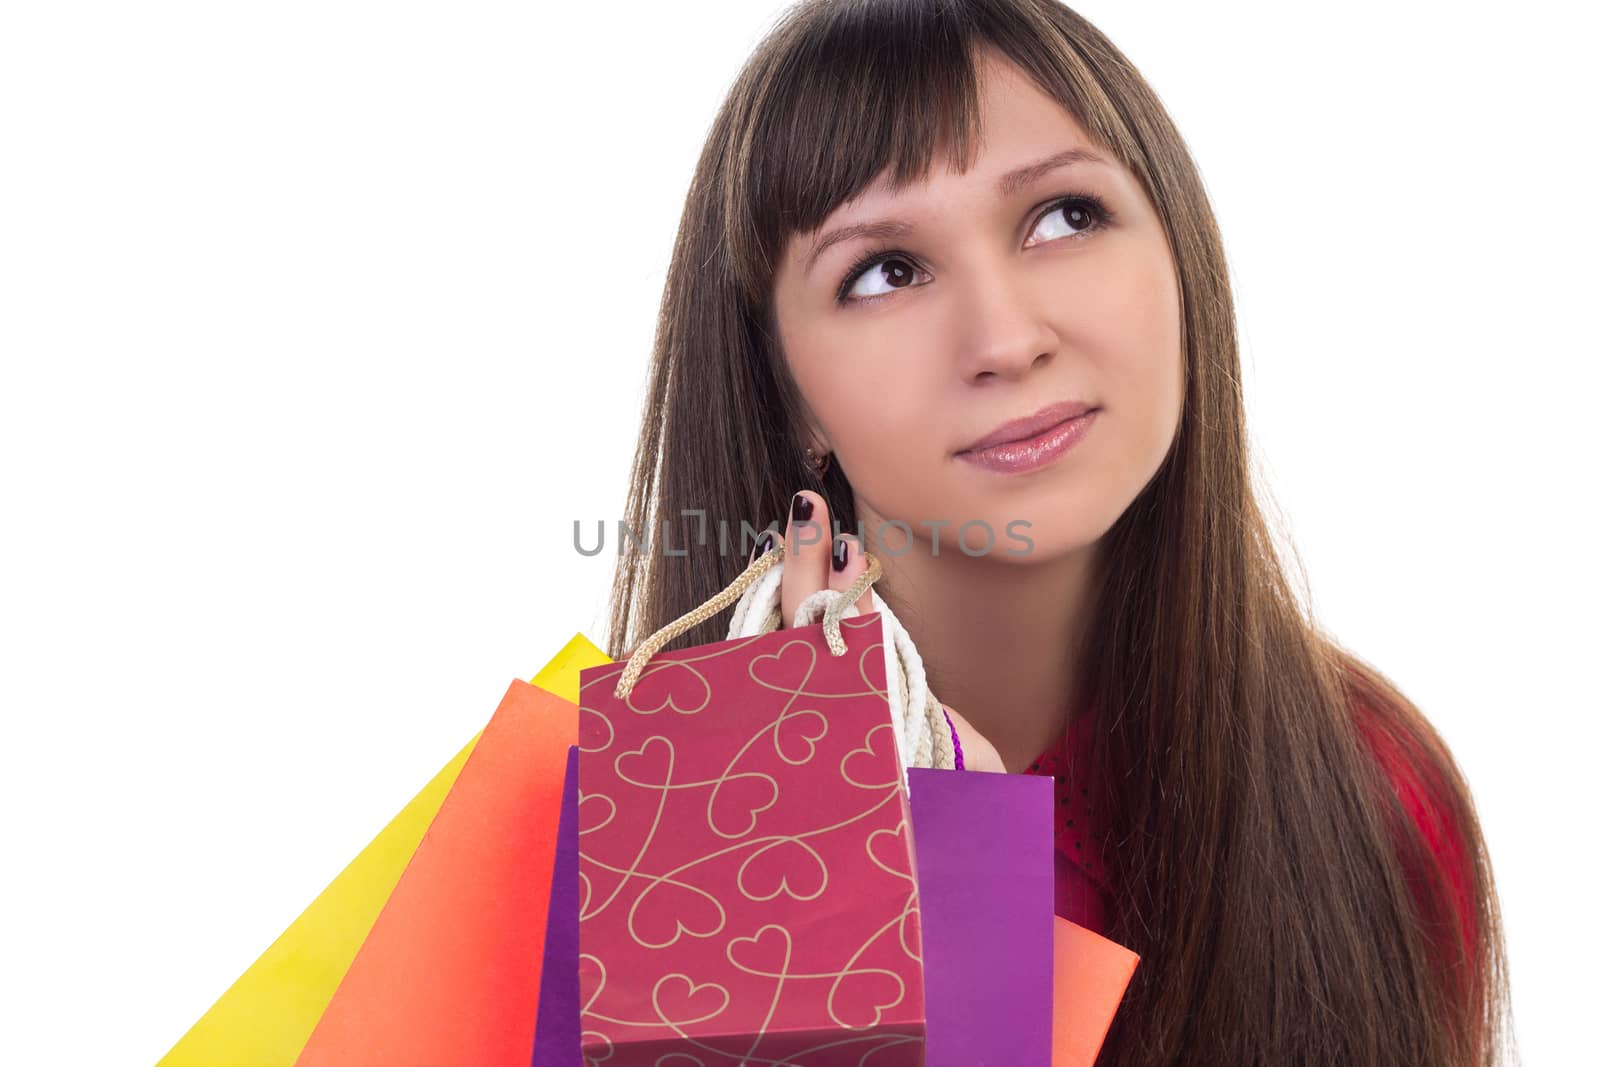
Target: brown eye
<point x="895" y="272"/>
<point x="1081" y="214"/>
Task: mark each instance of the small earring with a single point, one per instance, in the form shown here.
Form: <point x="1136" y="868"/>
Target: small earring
<point x="818" y="465"/>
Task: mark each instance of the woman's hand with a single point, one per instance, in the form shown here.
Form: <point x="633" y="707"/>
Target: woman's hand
<point x="818" y="560"/>
<point x="815" y="559"/>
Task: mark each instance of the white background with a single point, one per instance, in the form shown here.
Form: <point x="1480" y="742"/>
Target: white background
<point x="322" y="322"/>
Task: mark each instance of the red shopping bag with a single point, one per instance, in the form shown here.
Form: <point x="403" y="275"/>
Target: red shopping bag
<point x="747" y="880"/>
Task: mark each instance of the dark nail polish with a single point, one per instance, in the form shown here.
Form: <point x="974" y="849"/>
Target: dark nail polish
<point x="800" y="510"/>
<point x="764" y="545"/>
<point x="841" y="553"/>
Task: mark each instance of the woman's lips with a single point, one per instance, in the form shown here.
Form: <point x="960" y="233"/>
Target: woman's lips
<point x="1017" y="457"/>
<point x="1030" y="426"/>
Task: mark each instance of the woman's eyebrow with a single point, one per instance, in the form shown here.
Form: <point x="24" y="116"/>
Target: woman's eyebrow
<point x="1007" y="184"/>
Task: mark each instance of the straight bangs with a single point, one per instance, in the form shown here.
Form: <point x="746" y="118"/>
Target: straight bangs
<point x="844" y="92"/>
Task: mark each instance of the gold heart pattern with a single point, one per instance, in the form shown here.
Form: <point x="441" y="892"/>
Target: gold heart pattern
<point x="668" y="685"/>
<point x="795" y="736"/>
<point x="744" y="860"/>
<point x="892" y="850"/>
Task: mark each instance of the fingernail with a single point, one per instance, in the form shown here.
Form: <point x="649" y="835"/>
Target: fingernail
<point x="764" y="545"/>
<point x="841" y="553"/>
<point x="800" y="509"/>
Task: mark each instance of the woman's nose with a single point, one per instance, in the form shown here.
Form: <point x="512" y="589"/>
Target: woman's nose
<point x="1005" y="334"/>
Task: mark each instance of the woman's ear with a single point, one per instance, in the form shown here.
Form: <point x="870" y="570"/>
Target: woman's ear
<point x="816" y="450"/>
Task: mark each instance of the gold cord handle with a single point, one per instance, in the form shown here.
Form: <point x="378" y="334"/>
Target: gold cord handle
<point x="735" y="589"/>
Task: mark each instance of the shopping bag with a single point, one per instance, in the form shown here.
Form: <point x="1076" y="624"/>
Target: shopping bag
<point x="747" y="884"/>
<point x="1091" y="975"/>
<point x="1008" y="981"/>
<point x="265" y="1017"/>
<point x="986" y="892"/>
<point x="555" y="1040"/>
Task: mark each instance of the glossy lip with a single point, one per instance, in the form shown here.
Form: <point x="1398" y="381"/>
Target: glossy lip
<point x="1033" y="453"/>
<point x="1030" y="427"/>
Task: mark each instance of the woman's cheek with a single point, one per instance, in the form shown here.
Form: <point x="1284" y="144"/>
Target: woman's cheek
<point x="884" y="432"/>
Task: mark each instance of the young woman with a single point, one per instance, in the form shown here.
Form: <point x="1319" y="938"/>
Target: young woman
<point x="948" y="269"/>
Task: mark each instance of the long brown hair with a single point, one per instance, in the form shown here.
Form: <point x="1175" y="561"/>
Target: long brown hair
<point x="1260" y="852"/>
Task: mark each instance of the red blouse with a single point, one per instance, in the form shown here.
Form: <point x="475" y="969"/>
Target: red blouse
<point x="1082" y="887"/>
<point x="1081" y="883"/>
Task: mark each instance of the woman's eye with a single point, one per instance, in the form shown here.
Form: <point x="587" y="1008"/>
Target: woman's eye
<point x="1077" y="215"/>
<point x="895" y="271"/>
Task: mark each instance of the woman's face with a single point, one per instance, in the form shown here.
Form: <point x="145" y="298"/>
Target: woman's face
<point x="991" y="304"/>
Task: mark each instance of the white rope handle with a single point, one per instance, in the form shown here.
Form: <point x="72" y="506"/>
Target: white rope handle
<point x="921" y="735"/>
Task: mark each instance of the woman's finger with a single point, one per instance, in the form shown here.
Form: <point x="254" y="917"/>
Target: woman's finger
<point x="805" y="567"/>
<point x="763" y="545"/>
<point x="846" y="564"/>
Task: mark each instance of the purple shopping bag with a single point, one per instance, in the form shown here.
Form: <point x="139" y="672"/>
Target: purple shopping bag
<point x="556" y="1041"/>
<point x="986" y="880"/>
